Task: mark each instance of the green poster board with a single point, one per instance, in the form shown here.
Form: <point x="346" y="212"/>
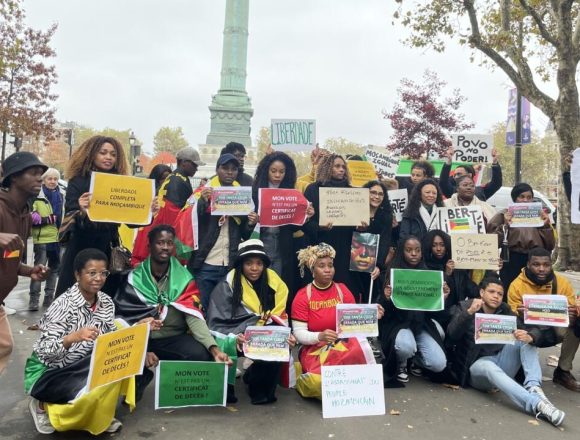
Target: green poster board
<point x="417" y="289"/>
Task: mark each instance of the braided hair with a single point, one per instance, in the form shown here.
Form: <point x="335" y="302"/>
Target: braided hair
<point x="324" y="169"/>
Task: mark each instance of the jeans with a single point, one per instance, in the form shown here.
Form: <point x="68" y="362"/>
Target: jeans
<point x="570" y="343"/>
<point x="429" y="354"/>
<point x="41" y="256"/>
<point x="498" y="371"/>
<point x="207" y="278"/>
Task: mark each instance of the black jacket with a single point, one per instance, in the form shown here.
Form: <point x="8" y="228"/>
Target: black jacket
<point x="412" y="226"/>
<point x="448" y="186"/>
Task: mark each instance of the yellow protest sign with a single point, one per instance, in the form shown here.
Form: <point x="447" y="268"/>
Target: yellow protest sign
<point x="120" y="199"/>
<point x="118" y="355"/>
<point x="361" y="172"/>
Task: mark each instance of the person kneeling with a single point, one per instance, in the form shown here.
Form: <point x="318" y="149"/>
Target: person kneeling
<point x="494" y="366"/>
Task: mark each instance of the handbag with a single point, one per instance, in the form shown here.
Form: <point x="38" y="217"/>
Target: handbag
<point x="68" y="226"/>
<point x="120" y="260"/>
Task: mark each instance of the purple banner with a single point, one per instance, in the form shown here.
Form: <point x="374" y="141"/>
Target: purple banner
<point x="510" y="136"/>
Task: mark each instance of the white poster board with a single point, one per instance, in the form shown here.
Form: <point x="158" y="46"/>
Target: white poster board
<point x="293" y="134"/>
<point x="384" y="163"/>
<point x="575" y="177"/>
<point x="399" y="199"/>
<point x="463" y="219"/>
<point x="472" y="148"/>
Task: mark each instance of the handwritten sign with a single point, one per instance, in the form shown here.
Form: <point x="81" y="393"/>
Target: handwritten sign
<point x="352" y="390"/>
<point x="385" y="164"/>
<point x="473" y="148"/>
<point x="353" y="320"/>
<point x="399" y="199"/>
<point x="118" y="355"/>
<point x="361" y="172"/>
<point x="268" y="343"/>
<point x="475" y="251"/>
<point x="344" y="206"/>
<point x="464" y="219"/>
<point x="494" y="329"/>
<point x="293" y="134"/>
<point x="231" y="200"/>
<point x="279" y="207"/>
<point x="551" y="310"/>
<point x="364" y="249"/>
<point x="526" y="215"/>
<point x="417" y="289"/>
<point x="180" y="384"/>
<point x="120" y="199"/>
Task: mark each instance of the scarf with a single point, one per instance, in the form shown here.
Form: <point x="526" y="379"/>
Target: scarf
<point x="54" y="197"/>
<point x="425" y="215"/>
<point x="487" y="210"/>
<point x="534" y="279"/>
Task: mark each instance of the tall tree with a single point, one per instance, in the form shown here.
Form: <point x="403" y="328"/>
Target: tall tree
<point x="169" y="139"/>
<point x="26" y="100"/>
<point x="263" y="141"/>
<point x="531" y="41"/>
<point x="423" y="119"/>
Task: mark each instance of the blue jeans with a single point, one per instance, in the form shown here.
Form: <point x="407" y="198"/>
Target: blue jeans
<point x="499" y="370"/>
<point x="207" y="278"/>
<point x="41" y="256"/>
<point x="428" y="353"/>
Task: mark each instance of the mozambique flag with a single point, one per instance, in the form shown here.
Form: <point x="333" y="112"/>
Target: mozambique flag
<point x="186" y="232"/>
<point x="459" y="224"/>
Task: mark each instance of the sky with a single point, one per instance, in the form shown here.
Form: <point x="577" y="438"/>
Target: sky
<point x="145" y="64"/>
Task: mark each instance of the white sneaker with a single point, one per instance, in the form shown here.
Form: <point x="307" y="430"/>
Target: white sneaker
<point x="114" y="426"/>
<point x="41" y="420"/>
<point x="550" y="413"/>
<point x="9" y="310"/>
<point x="402" y="375"/>
<point x="535" y="389"/>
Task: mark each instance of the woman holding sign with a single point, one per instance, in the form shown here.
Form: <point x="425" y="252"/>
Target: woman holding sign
<point x="251" y="295"/>
<point x="105" y="155"/>
<point x="57" y="371"/>
<point x="465" y="196"/>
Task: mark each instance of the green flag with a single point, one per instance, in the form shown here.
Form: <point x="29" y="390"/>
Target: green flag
<point x="417" y="289"/>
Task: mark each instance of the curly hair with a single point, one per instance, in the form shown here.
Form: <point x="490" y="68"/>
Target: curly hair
<point x="412" y="209"/>
<point x="82" y="161"/>
<point x="261" y="177"/>
<point x="426" y="166"/>
<point x="386" y="204"/>
<point x="307" y="257"/>
<point x="324" y="169"/>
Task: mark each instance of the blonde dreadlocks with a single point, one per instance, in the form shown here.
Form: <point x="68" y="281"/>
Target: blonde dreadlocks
<point x="307" y="257"/>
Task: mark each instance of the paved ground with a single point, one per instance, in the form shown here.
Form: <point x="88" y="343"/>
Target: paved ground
<point x="426" y="410"/>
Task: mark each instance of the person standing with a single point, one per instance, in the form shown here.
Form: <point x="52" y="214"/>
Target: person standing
<point x="46" y="219"/>
<point x="239" y="152"/>
<point x="425" y="197"/>
<point x="22" y="179"/>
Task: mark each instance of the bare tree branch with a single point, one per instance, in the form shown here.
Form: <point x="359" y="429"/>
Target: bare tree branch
<point x="540" y="23"/>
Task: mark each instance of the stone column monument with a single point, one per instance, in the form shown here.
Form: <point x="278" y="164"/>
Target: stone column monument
<point x="231" y="108"/>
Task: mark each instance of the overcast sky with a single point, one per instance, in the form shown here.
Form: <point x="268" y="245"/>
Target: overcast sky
<point x="144" y="64"/>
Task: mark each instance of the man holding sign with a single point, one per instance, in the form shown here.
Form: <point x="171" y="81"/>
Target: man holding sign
<point x="490" y="366"/>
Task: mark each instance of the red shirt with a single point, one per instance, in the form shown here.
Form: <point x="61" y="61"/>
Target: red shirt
<point x="320" y="312"/>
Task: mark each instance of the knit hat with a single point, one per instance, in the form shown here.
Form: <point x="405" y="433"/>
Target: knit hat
<point x="521" y="188"/>
<point x="18" y="162"/>
<point x="252" y="248"/>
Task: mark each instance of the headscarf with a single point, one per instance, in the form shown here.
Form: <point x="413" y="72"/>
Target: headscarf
<point x="307" y="257"/>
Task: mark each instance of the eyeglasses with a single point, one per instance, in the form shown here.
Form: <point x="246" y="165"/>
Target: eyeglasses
<point x="94" y="275"/>
<point x="377" y="193"/>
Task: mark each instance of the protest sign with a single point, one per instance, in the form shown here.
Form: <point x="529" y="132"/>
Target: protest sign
<point x="180" y="384"/>
<point x="475" y="251"/>
<point x="120" y="199"/>
<point x="399" y="199"/>
<point x="549" y="310"/>
<point x="268" y="343"/>
<point x="417" y="289"/>
<point x="363" y="251"/>
<point x="293" y="134"/>
<point x="118" y="355"/>
<point x="352" y="390"/>
<point x="472" y="148"/>
<point x="279" y="207"/>
<point x="494" y="329"/>
<point x="231" y="200"/>
<point x="464" y="219"/>
<point x="353" y="320"/>
<point x="575" y="181"/>
<point x="344" y="206"/>
<point x="361" y="172"/>
<point x="526" y="215"/>
<point x="385" y="164"/>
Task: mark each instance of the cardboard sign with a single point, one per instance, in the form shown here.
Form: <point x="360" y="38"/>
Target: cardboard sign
<point x="279" y="207"/>
<point x="268" y="343"/>
<point x="364" y="249"/>
<point x="417" y="289"/>
<point x="352" y="390"/>
<point x="464" y="219"/>
<point x="494" y="329"/>
<point x="231" y="200"/>
<point x="385" y="164"/>
<point x="354" y="320"/>
<point x="118" y="355"/>
<point x="293" y="134"/>
<point x="399" y="199"/>
<point x="361" y="172"/>
<point x="526" y="215"/>
<point x="472" y="148"/>
<point x="475" y="251"/>
<point x="180" y="384"/>
<point x="344" y="206"/>
<point x="549" y="310"/>
<point x="120" y="199"/>
<point x="575" y="180"/>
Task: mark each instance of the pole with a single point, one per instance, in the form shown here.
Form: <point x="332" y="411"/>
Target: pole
<point x="518" y="150"/>
<point x="371" y="290"/>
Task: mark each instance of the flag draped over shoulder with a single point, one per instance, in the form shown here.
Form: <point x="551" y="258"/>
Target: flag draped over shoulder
<point x="141" y="297"/>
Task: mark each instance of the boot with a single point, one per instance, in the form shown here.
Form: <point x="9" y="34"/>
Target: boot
<point x="33" y="302"/>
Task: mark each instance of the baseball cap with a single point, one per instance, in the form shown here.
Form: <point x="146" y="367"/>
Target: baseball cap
<point x="190" y="154"/>
<point x="225" y="158"/>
